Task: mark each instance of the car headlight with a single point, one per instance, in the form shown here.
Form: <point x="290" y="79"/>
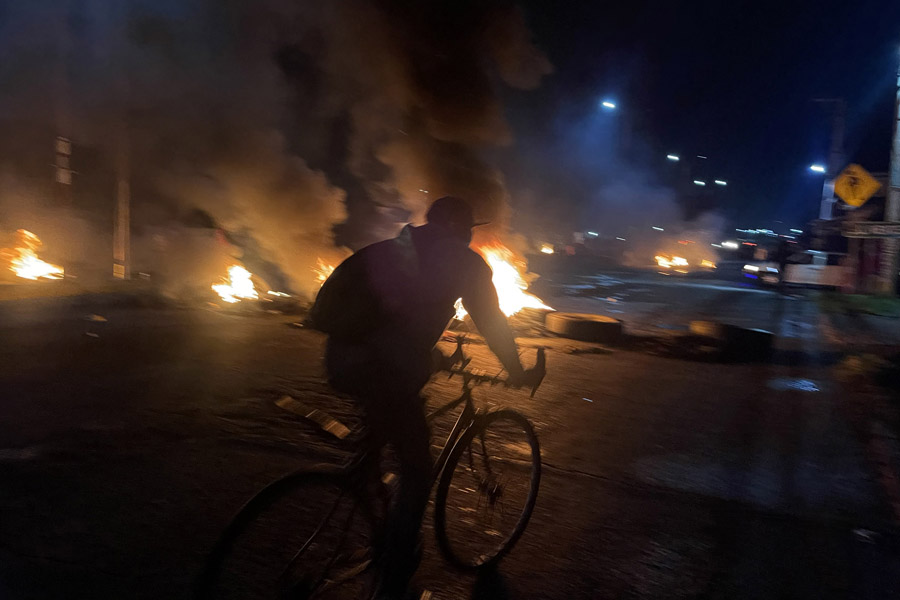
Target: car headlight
<point x="753" y="268"/>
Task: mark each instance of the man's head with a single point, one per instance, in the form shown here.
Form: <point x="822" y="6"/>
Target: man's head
<point x="452" y="215"/>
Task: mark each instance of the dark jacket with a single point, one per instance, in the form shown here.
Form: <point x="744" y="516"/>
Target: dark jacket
<point x="386" y="306"/>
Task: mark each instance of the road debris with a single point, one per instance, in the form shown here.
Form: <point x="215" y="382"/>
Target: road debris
<point x="91" y="324"/>
<point x="319" y="417"/>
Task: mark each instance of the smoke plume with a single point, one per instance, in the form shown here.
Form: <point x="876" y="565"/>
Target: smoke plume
<point x="272" y="116"/>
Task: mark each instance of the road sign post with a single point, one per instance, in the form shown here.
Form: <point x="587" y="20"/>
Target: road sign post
<point x="892" y="206"/>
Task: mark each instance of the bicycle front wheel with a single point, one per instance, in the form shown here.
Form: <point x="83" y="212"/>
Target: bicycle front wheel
<point x="304" y="536"/>
<point x="487" y="490"/>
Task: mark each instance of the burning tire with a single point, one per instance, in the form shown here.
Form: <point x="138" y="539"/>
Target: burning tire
<point x="585" y="327"/>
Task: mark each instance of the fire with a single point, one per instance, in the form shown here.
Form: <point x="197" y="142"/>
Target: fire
<point x="508" y="280"/>
<point x="667" y="262"/>
<point x="238" y="286"/>
<point x="679" y="264"/>
<point x="461" y="311"/>
<point x="23" y="260"/>
<point x="322" y="270"/>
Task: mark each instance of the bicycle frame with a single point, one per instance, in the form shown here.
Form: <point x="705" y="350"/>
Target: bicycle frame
<point x="463" y="422"/>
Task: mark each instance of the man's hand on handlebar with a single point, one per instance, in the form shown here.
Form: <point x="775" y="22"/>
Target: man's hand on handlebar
<point x="527" y="378"/>
<point x="456" y="365"/>
<point x="530" y="378"/>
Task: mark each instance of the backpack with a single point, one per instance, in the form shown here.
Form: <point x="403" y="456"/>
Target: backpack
<point x="346" y="307"/>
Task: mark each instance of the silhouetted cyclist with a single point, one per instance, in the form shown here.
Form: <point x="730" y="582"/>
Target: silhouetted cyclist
<point x="384" y="309"/>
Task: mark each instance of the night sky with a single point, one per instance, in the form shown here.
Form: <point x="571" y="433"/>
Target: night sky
<point x="733" y="81"/>
<point x="302" y="125"/>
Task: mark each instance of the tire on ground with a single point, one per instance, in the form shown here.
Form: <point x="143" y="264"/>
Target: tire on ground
<point x="736" y="343"/>
<point x="710" y="329"/>
<point x="584" y="327"/>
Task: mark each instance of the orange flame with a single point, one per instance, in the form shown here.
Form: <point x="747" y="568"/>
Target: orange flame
<point x="23" y="260"/>
<point x="509" y="280"/>
<point x="322" y="270"/>
<point x="237" y="286"/>
<point x="667" y="262"/>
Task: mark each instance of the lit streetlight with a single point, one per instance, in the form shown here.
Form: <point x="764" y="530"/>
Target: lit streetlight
<point x="673" y="157"/>
<point x="700" y="183"/>
<point x="817" y="168"/>
<point x="608" y="105"/>
<point x="658" y="228"/>
<point x="721" y="182"/>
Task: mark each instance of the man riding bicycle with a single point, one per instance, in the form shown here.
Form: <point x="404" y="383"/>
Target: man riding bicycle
<point x="384" y="309"/>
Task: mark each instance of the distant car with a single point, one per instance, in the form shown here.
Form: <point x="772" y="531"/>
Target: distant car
<point x="762" y="272"/>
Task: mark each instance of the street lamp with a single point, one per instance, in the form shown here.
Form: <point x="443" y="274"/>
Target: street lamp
<point x="817" y="168"/>
<point x="673" y="157"/>
<point x="608" y="105"/>
<point x="700" y="183"/>
<point x="721" y="182"/>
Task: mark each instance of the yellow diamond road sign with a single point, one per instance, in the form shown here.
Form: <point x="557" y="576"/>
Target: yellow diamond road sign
<point x="855" y="185"/>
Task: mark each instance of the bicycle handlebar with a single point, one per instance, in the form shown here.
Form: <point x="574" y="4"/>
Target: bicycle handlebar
<point x="480" y="377"/>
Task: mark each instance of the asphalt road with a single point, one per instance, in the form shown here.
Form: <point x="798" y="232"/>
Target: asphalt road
<point x="124" y="454"/>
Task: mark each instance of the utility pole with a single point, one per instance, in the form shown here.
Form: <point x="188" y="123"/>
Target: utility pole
<point x="836" y="157"/>
<point x="892" y="206"/>
<point x="122" y="219"/>
<point x="62" y="145"/>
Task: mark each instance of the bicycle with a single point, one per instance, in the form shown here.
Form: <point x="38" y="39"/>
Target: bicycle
<point x="321" y="526"/>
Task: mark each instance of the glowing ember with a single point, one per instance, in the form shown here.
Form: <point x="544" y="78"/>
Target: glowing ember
<point x="508" y="281"/>
<point x="707" y="264"/>
<point x="322" y="270"/>
<point x="667" y="262"/>
<point x="23" y="260"/>
<point x="237" y="287"/>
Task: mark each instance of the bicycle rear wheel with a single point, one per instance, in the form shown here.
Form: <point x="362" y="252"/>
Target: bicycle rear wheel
<point x="487" y="490"/>
<point x="304" y="536"/>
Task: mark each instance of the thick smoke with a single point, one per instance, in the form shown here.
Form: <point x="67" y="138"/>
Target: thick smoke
<point x="265" y="114"/>
<point x="419" y="82"/>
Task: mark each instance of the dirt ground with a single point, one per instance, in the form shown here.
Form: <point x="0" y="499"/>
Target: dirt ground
<point x="123" y="455"/>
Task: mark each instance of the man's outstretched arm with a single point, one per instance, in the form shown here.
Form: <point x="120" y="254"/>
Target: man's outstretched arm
<point x="484" y="307"/>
